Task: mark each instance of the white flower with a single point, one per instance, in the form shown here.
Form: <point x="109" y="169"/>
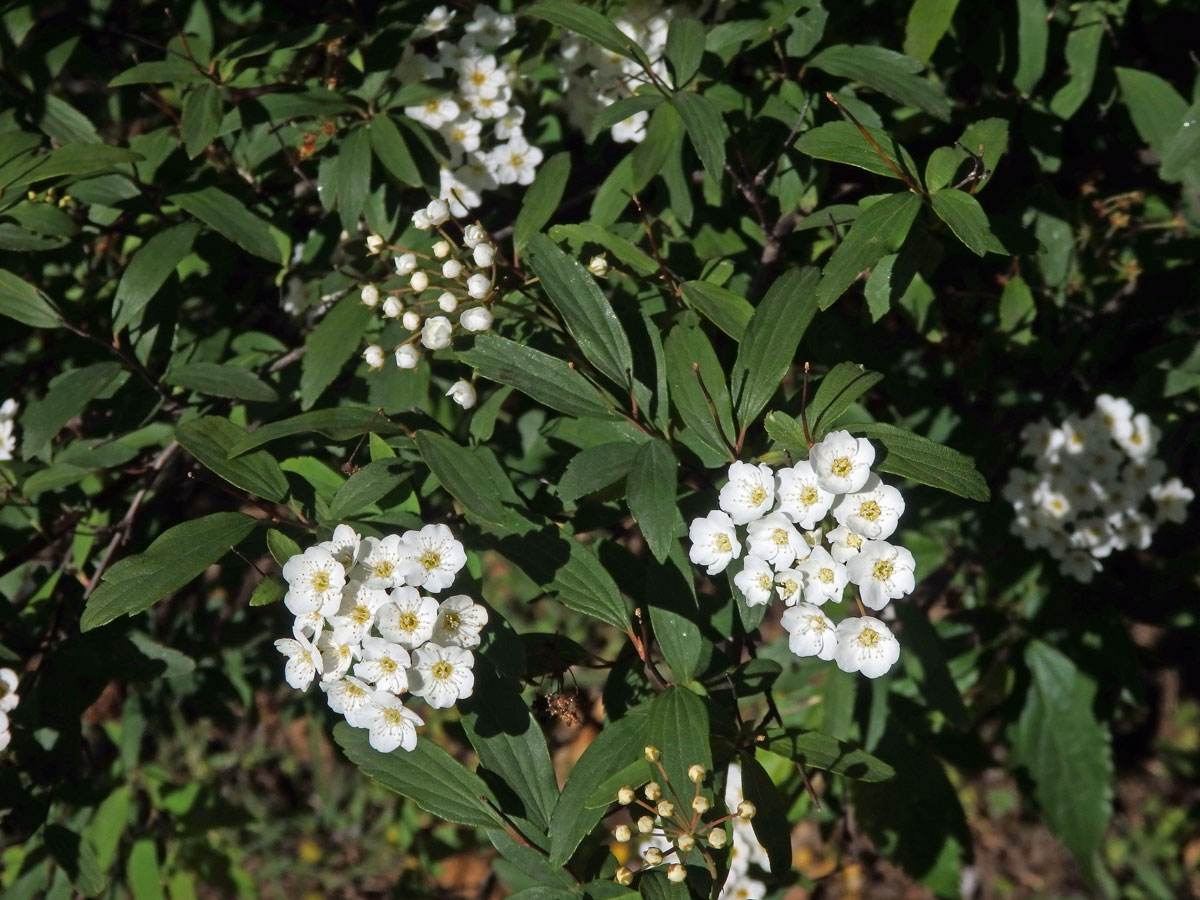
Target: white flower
<point x="8" y="690"/>
<point x="864" y="644"/>
<point x="304" y="662"/>
<point x="508" y="126"/>
<point x="437" y="210"/>
<point x="824" y="577"/>
<point x="315" y="580"/>
<point x="447" y="302"/>
<point x="408" y="619"/>
<point x="1080" y="565"/>
<point x="411" y="320"/>
<point x="374" y="357"/>
<point x="483" y="254"/>
<point x="491" y="28"/>
<point x="375" y="244"/>
<point x="788" y="585"/>
<point x="418" y="282"/>
<point x="811" y="632"/>
<point x="479" y="285"/>
<point x="598" y="265"/>
<point x="1079" y="435"/>
<point x="407" y="356"/>
<point x="1050" y="502"/>
<point x="844" y="544"/>
<point x="310" y="625"/>
<point x="756" y="581"/>
<point x="391" y="723"/>
<point x="1142" y="440"/>
<point x="350" y="697"/>
<point x="515" y="161"/>
<point x="1096" y="536"/>
<point x="750" y="492"/>
<point x="379" y="564"/>
<point x="1135" y="530"/>
<point x="432" y="557"/>
<point x="873" y="511"/>
<point x="8" y="439"/>
<point x="384" y="664"/>
<point x="356" y="615"/>
<point x="463" y="393"/>
<point x="475" y="319"/>
<point x="451" y="268"/>
<point x="1140" y="476"/>
<point x="344" y="545"/>
<point x="882" y="572"/>
<point x="631" y="129"/>
<point x="437" y="20"/>
<point x="392" y="307"/>
<point x="420" y="220"/>
<point x="442" y="675"/>
<point x="336" y="656"/>
<point x="1172" y="499"/>
<point x="1116" y="415"/>
<point x="801" y="497"/>
<point x="774" y="539"/>
<point x="406" y="264"/>
<point x="478" y="76"/>
<point x="473" y="235"/>
<point x="459" y="623"/>
<point x="1042" y="439"/>
<point x="436" y="333"/>
<point x="740" y="886"/>
<point x="463" y="137"/>
<point x="842" y="462"/>
<point x="434" y="114"/>
<point x="714" y="542"/>
<point x="370" y="295"/>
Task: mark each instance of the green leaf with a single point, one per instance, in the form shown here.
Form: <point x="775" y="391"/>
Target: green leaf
<point x="1033" y="37"/>
<point x="391" y="150"/>
<point x="210" y="438"/>
<point x="272" y="41"/>
<point x="685" y="48"/>
<point x="675" y="614"/>
<point x="351" y="171"/>
<point x="149" y="269"/>
<point x="230" y="218"/>
<point x="20" y="300"/>
<point x="924" y="461"/>
<point x="928" y="21"/>
<point x="821" y="751"/>
<point x="941" y="167"/>
<point x="586" y="311"/>
<point x="653" y="153"/>
<point x="281" y="546"/>
<point x="588" y="23"/>
<point x="1183" y="153"/>
<point x="989" y="139"/>
<point x="201" y="118"/>
<point x="177" y="556"/>
<point x="463" y="474"/>
<point x="878" y="231"/>
<point x="427" y="775"/>
<point x="770" y="822"/>
<point x="108" y="825"/>
<point x="161" y="71"/>
<point x="622" y="249"/>
<point x="679" y="727"/>
<point x="595" y="468"/>
<point x="1066" y="750"/>
<point x="547" y="379"/>
<point x="966" y="218"/>
<point x="542" y="198"/>
<point x="221" y="381"/>
<point x="705" y="126"/>
<point x="768" y="347"/>
<point x="844" y="143"/>
<point x="619" y="112"/>
<point x="725" y="309"/>
<point x="68" y="396"/>
<point x="1156" y="108"/>
<point x="145" y="877"/>
<point x="270" y="589"/>
<point x="1017" y="306"/>
<point x="651" y="493"/>
<point x="888" y="72"/>
<point x="785" y="430"/>
<point x="330" y="345"/>
<point x="1082" y="52"/>
<point x="369" y="484"/>
<point x="75" y="159"/>
<point x="76" y="857"/>
<point x="691" y="360"/>
<point x="844" y="384"/>
<point x="339" y="424"/>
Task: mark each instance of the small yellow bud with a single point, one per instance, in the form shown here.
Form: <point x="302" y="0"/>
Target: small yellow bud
<point x="685" y="842"/>
<point x="717" y="838"/>
<point x="32" y="195"/>
<point x="746" y="810"/>
<point x="665" y="808"/>
<point x="653" y="754"/>
<point x="623" y="876"/>
<point x="645" y="824"/>
<point x="676" y="873"/>
<point x="653" y="856"/>
<point x="653" y="792"/>
<point x="700" y="804"/>
<point x="625" y="796"/>
<point x="696" y="773"/>
<point x="622" y="833"/>
<point x="66" y="198"/>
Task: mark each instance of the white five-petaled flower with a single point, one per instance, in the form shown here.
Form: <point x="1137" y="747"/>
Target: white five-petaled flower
<point x="864" y="644"/>
<point x="873" y="511"/>
<point x="789" y="583"/>
<point x="515" y="161"/>
<point x="1116" y="415"/>
<point x="801" y="497"/>
<point x="714" y="542"/>
<point x="384" y="664"/>
<point x="824" y="577"/>
<point x="315" y="581"/>
<point x="351" y="697"/>
<point x="8" y="690"/>
<point x="460" y="621"/>
<point x="842" y="462"/>
<point x="356" y="615"/>
<point x="1080" y="565"/>
<point x="380" y="562"/>
<point x="844" y="544"/>
<point x="442" y="675"/>
<point x="462" y="392"/>
<point x="774" y="539"/>
<point x="882" y="572"/>
<point x="344" y="545"/>
<point x="391" y="723"/>
<point x="432" y="557"/>
<point x="303" y="663"/>
<point x="1172" y="499"/>
<point x="750" y="492"/>
<point x="490" y="28"/>
<point x="479" y="76"/>
<point x="336" y="657"/>
<point x="810" y="631"/>
<point x="408" y="619"/>
<point x="1142" y="439"/>
<point x="756" y="581"/>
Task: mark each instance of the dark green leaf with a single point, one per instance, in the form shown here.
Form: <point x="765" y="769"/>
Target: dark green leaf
<point x="595" y="468"/>
<point x="620" y="111"/>
<point x="210" y="439"/>
<point x="770" y="818"/>
<point x="651" y="493"/>
<point x="685" y="48"/>
<point x="785" y="430"/>
<point x="270" y="590"/>
<point x="679" y="727"/>
<point x="108" y="825"/>
<point x="68" y="396"/>
<point x="588" y="23"/>
<point x="888" y="72"/>
<point x="928" y="21"/>
<point x="1017" y="305"/>
<point x="622" y="249"/>
<point x="844" y="143"/>
<point x="75" y="855"/>
<point x="161" y="71"/>
<point x="924" y="461"/>
<point x="352" y="176"/>
<point x="542" y="198"/>
<point x="878" y="231"/>
<point x="675" y="615"/>
<point x="808" y="27"/>
<point x="988" y="138"/>
<point x="966" y="218"/>
<point x="820" y="751"/>
<point x="844" y="384"/>
<point x="390" y="149"/>
<point x="20" y="300"/>
<point x="725" y="309"/>
<point x="338" y="424"/>
<point x="463" y="474"/>
<point x="706" y="128"/>
<point x="690" y="361"/>
<point x="1033" y="36"/>
<point x="941" y="167"/>
<point x="201" y="118"/>
<point x="330" y="345"/>
<point x="221" y="381"/>
<point x="75" y="159"/>
<point x="1083" y="55"/>
<point x="653" y="153"/>
<point x="281" y="546"/>
<point x="366" y="486"/>
<point x="230" y="218"/>
<point x="1183" y="152"/>
<point x="1155" y="106"/>
<point x="149" y="269"/>
<point x="273" y="41"/>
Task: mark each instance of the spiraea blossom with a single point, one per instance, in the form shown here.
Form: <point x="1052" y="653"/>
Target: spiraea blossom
<point x="810" y="570"/>
<point x="8" y="702"/>
<point x="1095" y="487"/>
<point x="8" y="436"/>
<point x="368" y="636"/>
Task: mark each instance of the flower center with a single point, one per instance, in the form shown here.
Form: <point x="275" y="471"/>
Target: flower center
<point x="392" y="716"/>
<point x="825" y="575"/>
<point x="868" y="637"/>
<point x="816" y="623"/>
<point x="780" y="537"/>
<point x="882" y="570"/>
<point x="790" y="587"/>
<point x="458" y="135"/>
<point x="388" y="665"/>
<point x="1135" y="438"/>
<point x="721" y="541"/>
<point x="430" y="560"/>
<point x="451" y="622"/>
<point x="853" y="540"/>
<point x="758" y="494"/>
<point x="320" y="581"/>
<point x="431" y="106"/>
<point x="384" y="568"/>
<point x="869" y="510"/>
<point x="409" y="622"/>
<point x="478" y="77"/>
<point x="354" y="692"/>
<point x="517" y="160"/>
<point x="809" y="495"/>
<point x="360" y="614"/>
<point x="842" y="467"/>
<point x="442" y="670"/>
<point x="764" y="582"/>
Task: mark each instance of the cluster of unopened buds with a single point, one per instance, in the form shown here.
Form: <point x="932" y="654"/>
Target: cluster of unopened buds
<point x="1087" y="494"/>
<point x="673" y="825"/>
<point x="8" y="702"/>
<point x="786" y="519"/>
<point x="8" y="436"/>
<point x="364" y="626"/>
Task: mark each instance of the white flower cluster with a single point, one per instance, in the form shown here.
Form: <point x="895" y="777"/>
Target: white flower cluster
<point x="593" y="78"/>
<point x="783" y="514"/>
<point x="8" y="702"/>
<point x="8" y="436"/>
<point x="1086" y="494"/>
<point x="356" y="604"/>
<point x="474" y="115"/>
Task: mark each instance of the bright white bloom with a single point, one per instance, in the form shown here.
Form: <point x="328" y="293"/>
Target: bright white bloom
<point x="8" y="690"/>
<point x="788" y="585"/>
<point x="315" y="580"/>
<point x="451" y="268"/>
<point x="462" y="136"/>
<point x="380" y="562"/>
<point x="811" y="632"/>
<point x="631" y="129"/>
<point x="490" y="28"/>
<point x="598" y="265"/>
<point x="774" y="539"/>
<point x="420" y="220"/>
<point x="714" y="542"/>
<point x="437" y="20"/>
<point x="436" y="333"/>
<point x="1096" y="536"/>
<point x="336" y="657"/>
<point x="356" y="615"/>
<point x="844" y="544"/>
<point x="447" y="302"/>
<point x="479" y="76"/>
<point x="303" y="664"/>
<point x="750" y="492"/>
<point x="442" y="675"/>
<point x="475" y="319"/>
<point x="473" y="235"/>
<point x="515" y="161"/>
<point x="1116" y="415"/>
<point x="1135" y="530"/>
<point x="432" y="557"/>
<point x="411" y="320"/>
<point x="393" y="308"/>
<point x="1172" y="499"/>
<point x="1079" y="435"/>
<point x="391" y="723"/>
<point x="882" y="572"/>
<point x="462" y="392"/>
<point x="408" y="619"/>
<point x="344" y="545"/>
<point x="483" y="254"/>
<point x="824" y="577"/>
<point x="756" y="581"/>
<point x="438" y="211"/>
<point x="350" y="697"/>
<point x="418" y="282"/>
<point x="384" y="664"/>
<point x="1051" y="503"/>
<point x="1142" y="440"/>
<point x="406" y="264"/>
<point x="459" y="623"/>
<point x="375" y="244"/>
<point x="801" y="497"/>
<point x="479" y="285"/>
<point x="864" y="644"/>
<point x="509" y="125"/>
<point x="842" y="462"/>
<point x="740" y="886"/>
<point x="434" y="114"/>
<point x="370" y="295"/>
<point x="407" y="356"/>
<point x="373" y="356"/>
<point x="873" y="511"/>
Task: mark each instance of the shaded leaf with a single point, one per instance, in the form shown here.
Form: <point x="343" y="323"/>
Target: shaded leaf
<point x="888" y="72"/>
<point x="332" y="343"/>
<point x="201" y="118"/>
<point x="230" y="218"/>
<point x="622" y="249"/>
<point x="685" y="48"/>
<point x="20" y="300"/>
<point x="725" y="309"/>
<point x="221" y="381"/>
<point x="209" y="439"/>
<point x="687" y="348"/>
<point x="844" y="384"/>
<point x="1082" y="52"/>
<point x="149" y="269"/>
<point x="821" y="751"/>
<point x="651" y="493"/>
<point x="391" y="150"/>
<point x="588" y="23"/>
<point x="1033" y="37"/>
<point x="678" y="725"/>
<point x="594" y="468"/>
<point x="706" y="128"/>
<point x="928" y="21"/>
<point x="338" y="424"/>
<point x="927" y="462"/>
<point x="844" y="143"/>
<point x="67" y="397"/>
<point x="542" y="198"/>
<point x="966" y="218"/>
<point x="878" y="231"/>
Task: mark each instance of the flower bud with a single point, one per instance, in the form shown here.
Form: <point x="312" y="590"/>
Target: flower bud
<point x="653" y="754"/>
<point x="375" y="244"/>
<point x="392" y="307"/>
<point x="625" y="796"/>
<point x="645" y="824"/>
<point x="421" y="220"/>
<point x="462" y="392"/>
<point x="407" y="356"/>
<point x="653" y="856"/>
<point x="476" y="319"/>
<point x="665" y="808"/>
<point x="623" y="876"/>
<point x="685" y="842"/>
<point x="700" y="804"/>
<point x="435" y="334"/>
<point x="746" y="810"/>
<point x="441" y="249"/>
<point x="717" y="838"/>
<point x="452" y="268"/>
<point x="484" y="254"/>
<point x="374" y="357"/>
<point x="438" y="212"/>
<point x="652" y="791"/>
<point x="418" y="282"/>
<point x="370" y="295"/>
<point x="598" y="266"/>
<point x="474" y="235"/>
<point x="411" y="320"/>
<point x="447" y="302"/>
<point x="676" y="873"/>
<point x="479" y="286"/>
<point x="622" y="833"/>
<point x="406" y="264"/>
<point x="696" y="773"/>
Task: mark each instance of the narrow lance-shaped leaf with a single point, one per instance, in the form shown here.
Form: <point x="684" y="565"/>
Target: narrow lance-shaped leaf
<point x="822" y="751"/>
<point x="912" y="456"/>
<point x="695" y="376"/>
<point x="728" y="311"/>
<point x="888" y="72"/>
<point x="20" y="300"/>
<point x="542" y="198"/>
<point x="463" y="475"/>
<point x="209" y="439"/>
<point x="68" y="396"/>
<point x="844" y="384"/>
<point x="330" y="345"/>
<point x="651" y="493"/>
<point x="966" y="218"/>
<point x="201" y="118"/>
<point x="338" y="424"/>
<point x="880" y="230"/>
<point x="149" y="269"/>
<point x="218" y="380"/>
<point x="230" y="217"/>
<point x="590" y="24"/>
<point x="843" y="142"/>
<point x="706" y="128"/>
